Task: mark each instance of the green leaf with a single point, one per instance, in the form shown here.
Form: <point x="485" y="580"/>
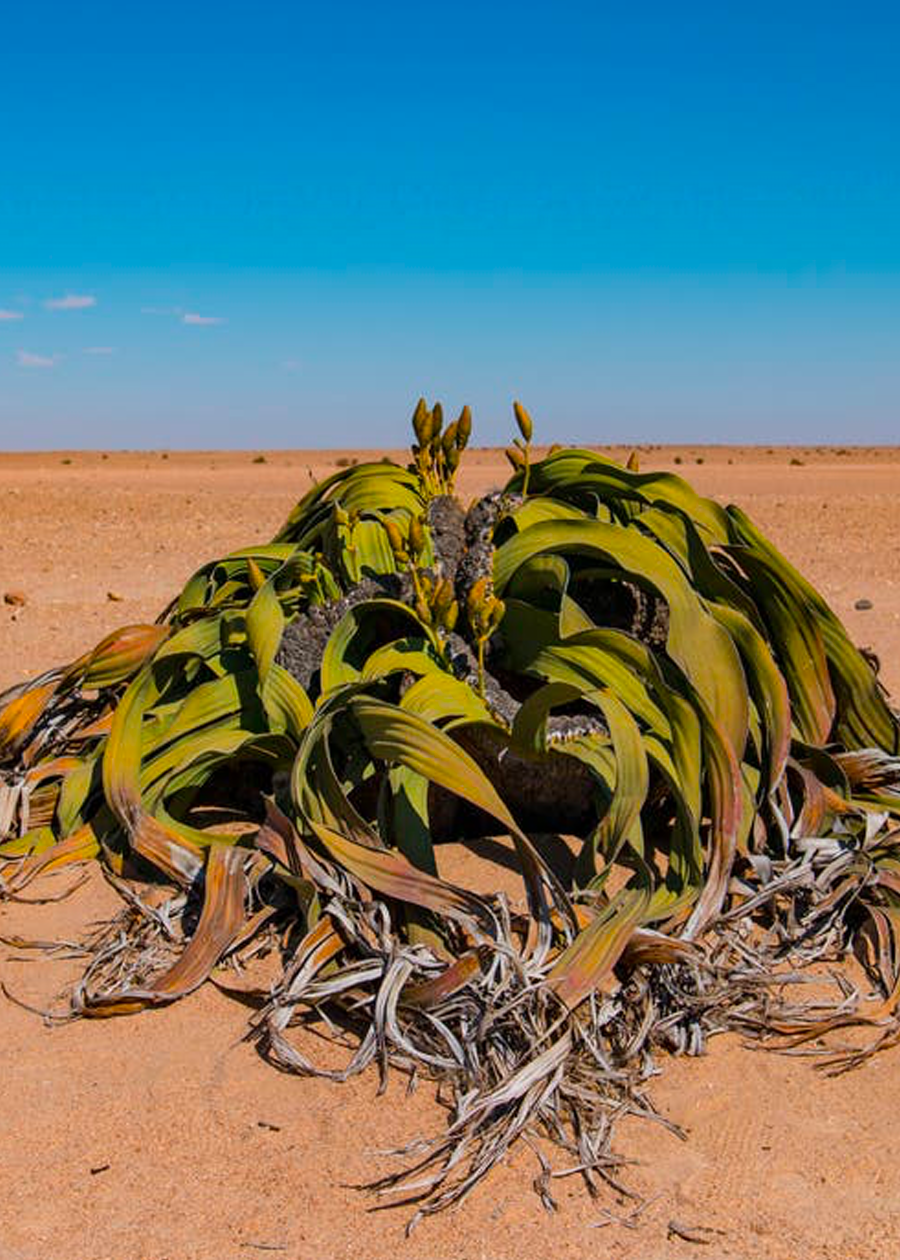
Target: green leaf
<point x="695" y="640"/>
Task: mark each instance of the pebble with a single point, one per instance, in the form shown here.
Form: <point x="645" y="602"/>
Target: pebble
<point x="16" y="598"/>
<point x="863" y="605"/>
<point x="114" y="597"/>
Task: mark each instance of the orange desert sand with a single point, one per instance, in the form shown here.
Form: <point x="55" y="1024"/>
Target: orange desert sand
<point x="165" y="1137"/>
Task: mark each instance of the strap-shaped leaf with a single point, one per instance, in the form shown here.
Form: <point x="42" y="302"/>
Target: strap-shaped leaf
<point x="362" y="630"/>
<point x="620" y="822"/>
<point x="768" y="688"/>
<point x="221" y="919"/>
<point x="863" y="716"/>
<point x="695" y="640"/>
<point x="797" y="640"/>
<point x="391" y="874"/>
<point x="265" y="624"/>
<point x="395" y="735"/>
<point x="117" y="657"/>
<point x="587" y="964"/>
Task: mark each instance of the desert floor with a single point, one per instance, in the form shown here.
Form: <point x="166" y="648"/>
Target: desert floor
<point x="165" y="1136"/>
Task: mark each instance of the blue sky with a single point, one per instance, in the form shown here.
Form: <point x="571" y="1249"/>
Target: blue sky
<point x="277" y="225"/>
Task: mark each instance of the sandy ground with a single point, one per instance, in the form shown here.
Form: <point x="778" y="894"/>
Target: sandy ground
<point x="164" y="1137"/>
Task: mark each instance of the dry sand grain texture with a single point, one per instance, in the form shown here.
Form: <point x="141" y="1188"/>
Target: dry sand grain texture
<point x="163" y="1137"/>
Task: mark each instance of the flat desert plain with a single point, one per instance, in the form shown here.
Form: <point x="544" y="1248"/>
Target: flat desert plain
<point x="165" y="1137"/>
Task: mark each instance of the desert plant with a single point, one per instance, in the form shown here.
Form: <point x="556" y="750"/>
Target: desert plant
<point x="692" y="768"/>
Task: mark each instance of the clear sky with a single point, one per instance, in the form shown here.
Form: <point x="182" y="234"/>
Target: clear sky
<point x="236" y="224"/>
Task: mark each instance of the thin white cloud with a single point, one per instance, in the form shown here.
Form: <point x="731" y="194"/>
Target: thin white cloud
<point x="7" y="315"/>
<point x="26" y="359"/>
<point x="100" y="350"/>
<point x="160" y="310"/>
<point x="71" y="302"/>
<point x="191" y="317"/>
